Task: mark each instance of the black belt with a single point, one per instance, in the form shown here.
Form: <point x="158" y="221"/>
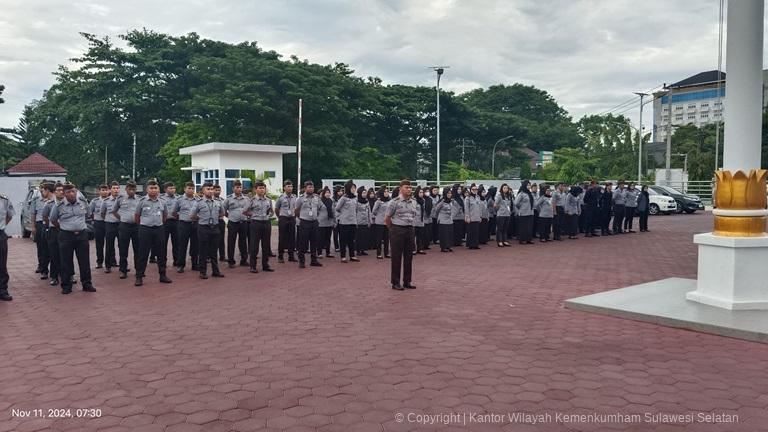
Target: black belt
<point x="260" y="221"/>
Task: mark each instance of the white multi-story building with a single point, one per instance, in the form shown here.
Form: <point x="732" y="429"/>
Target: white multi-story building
<point x="694" y="101"/>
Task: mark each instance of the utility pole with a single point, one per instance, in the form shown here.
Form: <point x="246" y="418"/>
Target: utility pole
<point x="439" y="70"/>
<point x="463" y="144"/>
<point x="134" y="157"/>
<point x="668" y="172"/>
<point x="640" y="140"/>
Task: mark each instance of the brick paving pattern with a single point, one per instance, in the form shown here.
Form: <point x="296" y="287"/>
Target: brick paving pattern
<point x="335" y="349"/>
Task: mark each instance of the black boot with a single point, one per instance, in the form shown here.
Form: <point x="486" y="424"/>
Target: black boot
<point x="164" y="278"/>
<point x="139" y="281"/>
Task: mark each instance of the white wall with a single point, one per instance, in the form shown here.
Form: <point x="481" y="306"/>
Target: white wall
<point x="257" y="161"/>
<point x="16" y="188"/>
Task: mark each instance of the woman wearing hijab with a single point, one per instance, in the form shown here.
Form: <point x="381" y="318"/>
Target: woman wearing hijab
<point x="418" y="221"/>
<point x="481" y="193"/>
<point x="472" y="216"/>
<point x="572" y="211"/>
<point x="434" y="195"/>
<point x="490" y="201"/>
<point x="534" y="188"/>
<point x="458" y="215"/>
<point x="380" y="230"/>
<point x="546" y="207"/>
<point x="443" y="213"/>
<point x="606" y="207"/>
<point x="371" y="195"/>
<point x="643" y="202"/>
<point x="362" y="232"/>
<point x="338" y="192"/>
<point x="427" y="216"/>
<point x="524" y="204"/>
<point x="503" y="206"/>
<point x="346" y="211"/>
<point x="326" y="220"/>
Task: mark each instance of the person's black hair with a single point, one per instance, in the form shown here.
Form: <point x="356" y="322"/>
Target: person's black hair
<point x="543" y="190"/>
<point x="491" y="195"/>
<point x="237" y="183"/>
<point x="130" y="185"/>
<point x="576" y="190"/>
<point x="508" y="195"/>
<point x="480" y="190"/>
<point x="114" y="183"/>
<point x="259" y="183"/>
<point x="168" y="184"/>
<point x="101" y="186"/>
<point x="207" y="184"/>
<point x="189" y="184"/>
<point x="396" y="192"/>
<point x="308" y="183"/>
<point x="288" y="183"/>
<point x="69" y="186"/>
<point x="445" y="194"/>
<point x="152" y="183"/>
<point x="336" y="190"/>
<point x="49" y="187"/>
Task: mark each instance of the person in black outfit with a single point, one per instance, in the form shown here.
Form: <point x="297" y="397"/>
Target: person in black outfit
<point x="591" y="202"/>
<point x="606" y="207"/>
<point x="643" y="205"/>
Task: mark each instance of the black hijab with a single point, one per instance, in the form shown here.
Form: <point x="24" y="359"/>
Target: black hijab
<point x="327" y="201"/>
<point x="348" y="189"/>
<point x="456" y="191"/>
<point x="380" y="194"/>
<point x="524" y="189"/>
<point x="480" y="191"/>
<point x="371" y="199"/>
<point x="361" y="198"/>
<point x="445" y="194"/>
<point x="576" y="191"/>
<point x="336" y="190"/>
<point x="419" y="200"/>
<point x="491" y="193"/>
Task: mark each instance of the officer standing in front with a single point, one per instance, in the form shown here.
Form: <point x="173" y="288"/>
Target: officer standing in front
<point x="207" y="213"/>
<point x="286" y="222"/>
<point x="307" y="207"/>
<point x="69" y="216"/>
<point x="6" y="215"/>
<point x="150" y="215"/>
<point x="260" y="228"/>
<point x="237" y="224"/>
<point x="128" y="232"/>
<point x="399" y="218"/>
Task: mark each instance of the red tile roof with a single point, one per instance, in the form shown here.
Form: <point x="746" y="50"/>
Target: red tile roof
<point x="36" y="164"/>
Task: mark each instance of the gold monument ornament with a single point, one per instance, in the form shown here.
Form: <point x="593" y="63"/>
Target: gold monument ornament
<point x="737" y="195"/>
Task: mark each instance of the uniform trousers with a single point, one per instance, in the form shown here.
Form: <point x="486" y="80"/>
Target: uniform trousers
<point x="402" y="239"/>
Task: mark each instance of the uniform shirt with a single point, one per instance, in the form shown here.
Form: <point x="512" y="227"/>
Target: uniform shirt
<point x="6" y="211"/>
<point x="503" y="206"/>
<point x="346" y="210"/>
<point x="208" y="211"/>
<point x="285" y="205"/>
<point x="491" y="210"/>
<point x="38" y="206"/>
<point x="260" y="208"/>
<point x="642" y="203"/>
<point x="126" y="208"/>
<point x="169" y="201"/>
<point x="325" y="217"/>
<point x="308" y="207"/>
<point x="151" y="211"/>
<point x="457" y="210"/>
<point x="235" y="206"/>
<point x="544" y="206"/>
<point x="94" y="209"/>
<point x="106" y="209"/>
<point x="472" y="208"/>
<point x="619" y="197"/>
<point x="630" y="197"/>
<point x="442" y="212"/>
<point x="402" y="211"/>
<point x="47" y="212"/>
<point x="184" y="206"/>
<point x="559" y="198"/>
<point x="523" y="205"/>
<point x="379" y="211"/>
<point x="572" y="205"/>
<point x="418" y="221"/>
<point x="70" y="216"/>
<point x="484" y="213"/>
<point x="363" y="213"/>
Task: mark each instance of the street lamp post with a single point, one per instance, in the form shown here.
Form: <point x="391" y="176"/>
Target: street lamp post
<point x="439" y="70"/>
<point x="640" y="140"/>
<point x="493" y="154"/>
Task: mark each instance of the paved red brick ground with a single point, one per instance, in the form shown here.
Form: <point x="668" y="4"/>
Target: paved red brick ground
<point x="336" y="349"/>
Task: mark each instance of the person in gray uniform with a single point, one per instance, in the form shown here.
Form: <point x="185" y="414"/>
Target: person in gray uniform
<point x="150" y="215"/>
<point x="442" y="213"/>
<point x="128" y="231"/>
<point x="346" y="211"/>
<point x="619" y="199"/>
<point x="222" y="247"/>
<point x="182" y="209"/>
<point x="546" y="207"/>
<point x="69" y="216"/>
<point x="259" y="213"/>
<point x="99" y="233"/>
<point x="558" y="222"/>
<point x="307" y="209"/>
<point x="524" y="204"/>
<point x="503" y="206"/>
<point x="472" y="217"/>
<point x="6" y="215"/>
<point x="418" y="221"/>
<point x="363" y="216"/>
<point x="434" y="196"/>
<point x="572" y="211"/>
<point x="400" y="218"/>
<point x="380" y="230"/>
<point x="111" y="226"/>
<point x="38" y="230"/>
<point x="630" y="206"/>
<point x="207" y="213"/>
<point x="52" y="233"/>
<point x="237" y="224"/>
<point x="286" y="222"/>
<point x="326" y="220"/>
<point x="459" y="224"/>
<point x="171" y="225"/>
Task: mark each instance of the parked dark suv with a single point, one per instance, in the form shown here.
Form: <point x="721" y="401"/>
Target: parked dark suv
<point x="685" y="203"/>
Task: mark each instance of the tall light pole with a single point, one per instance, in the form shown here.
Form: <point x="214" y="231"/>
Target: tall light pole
<point x="439" y="70"/>
<point x="640" y="140"/>
<point x="668" y="164"/>
<point x="133" y="177"/>
<point x="493" y="155"/>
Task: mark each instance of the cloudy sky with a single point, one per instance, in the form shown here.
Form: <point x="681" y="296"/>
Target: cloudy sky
<point x="591" y="55"/>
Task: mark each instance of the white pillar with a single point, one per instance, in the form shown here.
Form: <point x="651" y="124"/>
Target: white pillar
<point x="744" y="81"/>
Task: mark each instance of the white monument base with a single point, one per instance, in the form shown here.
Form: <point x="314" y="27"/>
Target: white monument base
<point x="733" y="272"/>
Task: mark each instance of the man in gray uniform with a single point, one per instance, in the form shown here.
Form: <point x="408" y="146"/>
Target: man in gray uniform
<point x="286" y="222"/>
<point x="222" y="247"/>
<point x="171" y="225"/>
<point x="128" y="232"/>
<point x="400" y="217"/>
<point x="38" y="230"/>
<point x="182" y="209"/>
<point x="69" y="216"/>
<point x="150" y="215"/>
<point x="307" y="207"/>
<point x="207" y="213"/>
<point x="111" y="227"/>
<point x="237" y="225"/>
<point x="260" y="228"/>
<point x="52" y="233"/>
<point x="6" y="215"/>
<point x="94" y="209"/>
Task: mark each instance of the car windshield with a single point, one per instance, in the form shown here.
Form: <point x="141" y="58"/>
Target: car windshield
<point x="652" y="191"/>
<point x="671" y="190"/>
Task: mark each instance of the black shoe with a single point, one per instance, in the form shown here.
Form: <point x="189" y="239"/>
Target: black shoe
<point x="281" y="260"/>
<point x="330" y="255"/>
<point x="107" y="269"/>
<point x="164" y="278"/>
<point x="38" y="270"/>
<point x="218" y="275"/>
<point x="5" y="297"/>
<point x="244" y="264"/>
<point x="355" y="259"/>
<point x="301" y="265"/>
<point x="153" y="261"/>
<point x="315" y="264"/>
<point x="139" y="281"/>
<point x="272" y="255"/>
<point x="54" y="281"/>
<point x="409" y="286"/>
<point x="231" y="265"/>
<point x="253" y="270"/>
<point x="424" y="253"/>
<point x="195" y="267"/>
<point x="397" y="287"/>
<point x="73" y="280"/>
<point x="180" y="270"/>
<point x="387" y="256"/>
<point x="363" y="253"/>
<point x="43" y="276"/>
<point x="222" y="258"/>
<point x="66" y="290"/>
<point x="291" y="258"/>
<point x="123" y="275"/>
<point x="267" y="269"/>
<point x="98" y="265"/>
<point x="203" y="276"/>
